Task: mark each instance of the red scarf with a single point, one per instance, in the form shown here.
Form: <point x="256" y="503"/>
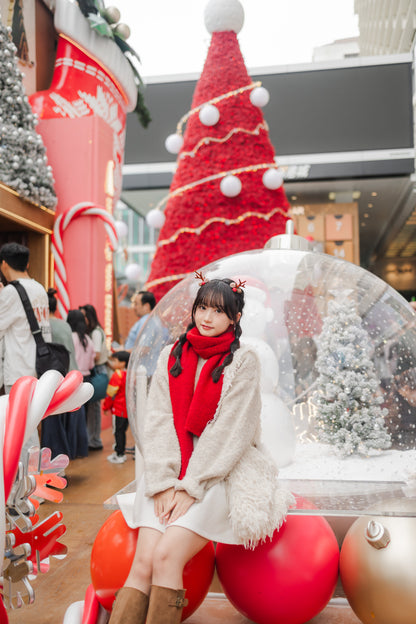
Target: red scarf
<point x="193" y="407"/>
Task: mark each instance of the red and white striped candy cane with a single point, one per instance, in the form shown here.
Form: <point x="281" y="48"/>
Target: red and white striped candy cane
<point x="82" y="209"/>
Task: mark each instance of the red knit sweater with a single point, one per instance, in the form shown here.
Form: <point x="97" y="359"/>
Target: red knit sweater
<point x="116" y="394"/>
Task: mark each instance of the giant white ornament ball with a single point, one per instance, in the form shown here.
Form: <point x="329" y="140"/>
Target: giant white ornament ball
<point x="155" y="218"/>
<point x="230" y="186"/>
<point x="174" y="143"/>
<point x="121" y="229"/>
<point x="259" y="97"/>
<point x="257" y="313"/>
<point x="268" y="361"/>
<point x="133" y="272"/>
<point x="277" y="429"/>
<point x="272" y="179"/>
<point x="209" y="115"/>
<point x="223" y="15"/>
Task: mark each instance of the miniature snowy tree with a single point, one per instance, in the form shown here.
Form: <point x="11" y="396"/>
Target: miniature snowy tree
<point x="23" y="163"/>
<point x="350" y="415"/>
<point x="226" y="195"/>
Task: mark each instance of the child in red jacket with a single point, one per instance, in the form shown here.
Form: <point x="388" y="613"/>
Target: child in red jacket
<point x="115" y="403"/>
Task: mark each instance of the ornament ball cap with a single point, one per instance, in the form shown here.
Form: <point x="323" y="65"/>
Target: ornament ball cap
<point x="224" y="15"/>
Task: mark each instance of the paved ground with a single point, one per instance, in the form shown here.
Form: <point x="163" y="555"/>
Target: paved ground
<point x="91" y="481"/>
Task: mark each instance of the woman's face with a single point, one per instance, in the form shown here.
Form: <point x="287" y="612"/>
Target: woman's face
<point x="85" y="316"/>
<point x="211" y="321"/>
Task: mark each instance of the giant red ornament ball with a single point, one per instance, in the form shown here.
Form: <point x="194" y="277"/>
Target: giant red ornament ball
<point x="286" y="580"/>
<point x="112" y="555"/>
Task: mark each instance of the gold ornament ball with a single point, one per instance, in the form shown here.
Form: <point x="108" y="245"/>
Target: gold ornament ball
<point x="112" y="14"/>
<point x="123" y="31"/>
<point x="378" y="566"/>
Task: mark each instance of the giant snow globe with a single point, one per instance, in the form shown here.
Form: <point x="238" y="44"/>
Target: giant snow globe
<point x="337" y="347"/>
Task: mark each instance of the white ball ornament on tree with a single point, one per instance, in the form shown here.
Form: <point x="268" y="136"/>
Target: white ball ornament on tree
<point x="259" y="97"/>
<point x="112" y="14"/>
<point x="230" y="186"/>
<point x="121" y="229"/>
<point x="155" y="218"/>
<point x="133" y="272"/>
<point x="173" y="143"/>
<point x="123" y="31"/>
<point x="273" y="179"/>
<point x="209" y="115"/>
<point x="223" y="15"/>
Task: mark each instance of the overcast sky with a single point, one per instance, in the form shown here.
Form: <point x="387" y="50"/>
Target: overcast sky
<point x="170" y="36"/>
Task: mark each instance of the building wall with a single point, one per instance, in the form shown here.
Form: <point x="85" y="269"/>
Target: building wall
<point x="386" y="27"/>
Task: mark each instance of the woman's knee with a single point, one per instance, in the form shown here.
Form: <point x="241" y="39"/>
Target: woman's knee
<point x="142" y="567"/>
<point x="166" y="558"/>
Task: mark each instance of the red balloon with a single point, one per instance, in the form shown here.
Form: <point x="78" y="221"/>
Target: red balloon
<point x="112" y="555"/>
<point x="286" y="580"/>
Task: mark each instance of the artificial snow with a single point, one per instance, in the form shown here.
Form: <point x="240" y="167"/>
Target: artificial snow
<point x="313" y="460"/>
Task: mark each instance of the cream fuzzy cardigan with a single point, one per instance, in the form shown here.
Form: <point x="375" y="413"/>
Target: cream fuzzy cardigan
<point x="228" y="450"/>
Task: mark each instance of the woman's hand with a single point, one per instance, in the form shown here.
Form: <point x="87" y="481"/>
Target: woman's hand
<point x="171" y="505"/>
<point x="180" y="505"/>
<point x="163" y="503"/>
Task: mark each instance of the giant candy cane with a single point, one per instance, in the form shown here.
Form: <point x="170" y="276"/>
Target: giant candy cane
<point x="21" y="411"/>
<point x="62" y="221"/>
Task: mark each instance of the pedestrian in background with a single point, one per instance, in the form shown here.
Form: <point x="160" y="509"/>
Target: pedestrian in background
<point x="115" y="403"/>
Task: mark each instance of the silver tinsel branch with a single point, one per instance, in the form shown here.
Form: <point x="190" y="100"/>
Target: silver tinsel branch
<point x="23" y="162"/>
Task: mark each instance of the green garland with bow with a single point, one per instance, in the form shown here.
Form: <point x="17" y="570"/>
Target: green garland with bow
<point x="95" y="12"/>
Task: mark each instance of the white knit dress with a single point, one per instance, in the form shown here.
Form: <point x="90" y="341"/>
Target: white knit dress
<point x="209" y="517"/>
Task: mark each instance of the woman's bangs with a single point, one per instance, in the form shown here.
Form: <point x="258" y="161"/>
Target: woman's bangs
<point x="212" y="299"/>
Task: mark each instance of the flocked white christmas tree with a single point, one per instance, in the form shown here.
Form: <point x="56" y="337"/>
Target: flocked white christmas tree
<point x="350" y="415"/>
<point x="23" y="162"/>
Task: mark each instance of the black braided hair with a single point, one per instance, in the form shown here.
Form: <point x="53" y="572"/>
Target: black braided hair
<point x="216" y="293"/>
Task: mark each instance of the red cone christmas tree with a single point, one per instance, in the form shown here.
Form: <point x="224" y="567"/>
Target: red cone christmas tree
<point x="226" y="195"/>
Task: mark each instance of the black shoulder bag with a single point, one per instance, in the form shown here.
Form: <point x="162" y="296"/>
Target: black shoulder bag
<point x="49" y="355"/>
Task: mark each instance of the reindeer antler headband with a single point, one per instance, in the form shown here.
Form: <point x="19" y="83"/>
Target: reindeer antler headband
<point x="235" y="286"/>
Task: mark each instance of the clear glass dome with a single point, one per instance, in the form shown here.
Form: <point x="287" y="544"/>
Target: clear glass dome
<point x="337" y="347"/>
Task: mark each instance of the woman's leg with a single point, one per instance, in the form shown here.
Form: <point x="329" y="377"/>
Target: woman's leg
<point x="140" y="575"/>
<point x="173" y="551"/>
<point x="131" y="604"/>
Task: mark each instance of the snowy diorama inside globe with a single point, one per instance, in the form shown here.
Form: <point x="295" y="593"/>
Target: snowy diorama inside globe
<point x="337" y="348"/>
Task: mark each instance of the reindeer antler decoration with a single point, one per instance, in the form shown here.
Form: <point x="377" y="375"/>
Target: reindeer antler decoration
<point x="237" y="286"/>
<point x="199" y="276"/>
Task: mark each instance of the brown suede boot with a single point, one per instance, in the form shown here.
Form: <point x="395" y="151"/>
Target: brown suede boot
<point x="166" y="605"/>
<point x="129" y="607"/>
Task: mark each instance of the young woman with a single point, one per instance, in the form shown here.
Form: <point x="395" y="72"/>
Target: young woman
<point x="84" y="348"/>
<point x="62" y="432"/>
<point x="93" y="408"/>
<point x="205" y="477"/>
<point x="75" y="422"/>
